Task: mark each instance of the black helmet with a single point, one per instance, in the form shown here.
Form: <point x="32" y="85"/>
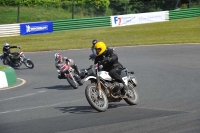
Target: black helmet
<point x="94" y="42"/>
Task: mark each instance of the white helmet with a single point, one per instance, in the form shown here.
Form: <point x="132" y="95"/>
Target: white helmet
<point x="57" y="57"/>
<point x="6" y="45"/>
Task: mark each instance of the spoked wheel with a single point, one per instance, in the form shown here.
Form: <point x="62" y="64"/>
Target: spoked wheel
<point x="133" y="97"/>
<point x="99" y="103"/>
<point x="29" y="64"/>
<point x="72" y="82"/>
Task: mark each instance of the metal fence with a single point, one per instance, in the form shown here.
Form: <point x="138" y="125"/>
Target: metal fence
<point x="20" y="14"/>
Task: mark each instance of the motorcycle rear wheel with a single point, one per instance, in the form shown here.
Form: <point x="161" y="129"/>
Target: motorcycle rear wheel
<point x="72" y="82"/>
<point x="133" y="97"/>
<point x="92" y="95"/>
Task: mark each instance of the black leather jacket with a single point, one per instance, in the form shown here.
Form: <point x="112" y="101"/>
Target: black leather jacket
<point x="114" y="63"/>
<point x="7" y="51"/>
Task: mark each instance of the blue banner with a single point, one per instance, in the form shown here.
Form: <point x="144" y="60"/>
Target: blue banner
<point x="36" y="28"/>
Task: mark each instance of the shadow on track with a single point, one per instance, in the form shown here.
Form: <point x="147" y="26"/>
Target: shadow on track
<point x="57" y="87"/>
<point x="18" y="68"/>
<point x="85" y="109"/>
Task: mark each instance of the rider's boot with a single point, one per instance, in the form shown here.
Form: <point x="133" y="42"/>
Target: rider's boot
<point x="76" y="68"/>
<point x="124" y="90"/>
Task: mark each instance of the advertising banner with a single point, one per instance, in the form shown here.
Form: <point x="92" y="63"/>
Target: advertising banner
<point x="36" y="28"/>
<point x="131" y="19"/>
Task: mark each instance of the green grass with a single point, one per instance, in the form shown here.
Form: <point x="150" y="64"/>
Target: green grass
<point x="171" y="32"/>
<point x="3" y="67"/>
<point x="9" y="15"/>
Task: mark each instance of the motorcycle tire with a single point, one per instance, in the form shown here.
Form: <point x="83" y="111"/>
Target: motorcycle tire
<point x="71" y="82"/>
<point x="92" y="96"/>
<point x="133" y="97"/>
<point x="80" y="82"/>
<point x="29" y="64"/>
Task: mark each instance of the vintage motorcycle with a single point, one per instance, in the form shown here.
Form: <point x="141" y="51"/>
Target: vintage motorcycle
<point x="102" y="88"/>
<point x="17" y="59"/>
<point x="69" y="73"/>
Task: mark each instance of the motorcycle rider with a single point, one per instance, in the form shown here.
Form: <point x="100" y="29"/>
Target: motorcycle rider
<point x="6" y="51"/>
<point x="110" y="63"/>
<point x="60" y="61"/>
<point x="93" y="55"/>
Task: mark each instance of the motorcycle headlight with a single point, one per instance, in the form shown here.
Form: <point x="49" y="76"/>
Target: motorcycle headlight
<point x="135" y="81"/>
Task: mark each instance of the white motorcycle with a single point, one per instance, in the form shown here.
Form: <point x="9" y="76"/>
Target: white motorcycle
<point x="103" y="89"/>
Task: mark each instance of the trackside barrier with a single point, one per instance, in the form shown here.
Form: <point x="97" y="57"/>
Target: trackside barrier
<point x="184" y="13"/>
<point x="7" y="77"/>
<point x="73" y="24"/>
<point x="107" y="21"/>
<point x="9" y="30"/>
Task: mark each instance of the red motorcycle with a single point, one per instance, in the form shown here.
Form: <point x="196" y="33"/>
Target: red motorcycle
<point x="69" y="73"/>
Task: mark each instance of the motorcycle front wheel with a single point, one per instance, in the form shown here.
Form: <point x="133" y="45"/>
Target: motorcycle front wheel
<point x="99" y="103"/>
<point x="72" y="82"/>
<point x="133" y="97"/>
<point x="29" y="64"/>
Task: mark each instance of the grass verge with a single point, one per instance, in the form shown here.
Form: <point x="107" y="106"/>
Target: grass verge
<point x="171" y="32"/>
<point x="2" y="67"/>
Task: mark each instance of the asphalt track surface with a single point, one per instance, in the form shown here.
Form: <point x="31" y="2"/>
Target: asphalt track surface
<point x="168" y="86"/>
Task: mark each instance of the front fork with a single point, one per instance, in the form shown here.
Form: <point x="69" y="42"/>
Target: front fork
<point x="99" y="85"/>
<point x="71" y="75"/>
<point x="23" y="59"/>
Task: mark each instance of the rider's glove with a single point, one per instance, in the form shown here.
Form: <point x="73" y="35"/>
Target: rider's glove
<point x="18" y="47"/>
<point x="92" y="57"/>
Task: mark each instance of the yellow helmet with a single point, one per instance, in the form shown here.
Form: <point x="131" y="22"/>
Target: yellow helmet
<point x="100" y="47"/>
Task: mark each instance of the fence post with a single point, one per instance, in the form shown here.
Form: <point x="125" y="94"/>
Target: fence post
<point x="189" y="4"/>
<point x="18" y="13"/>
<point x="126" y="7"/>
<point x="73" y="9"/>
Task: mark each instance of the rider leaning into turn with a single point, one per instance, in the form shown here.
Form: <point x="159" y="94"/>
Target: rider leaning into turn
<point x="6" y="51"/>
<point x="110" y="63"/>
<point x="60" y="61"/>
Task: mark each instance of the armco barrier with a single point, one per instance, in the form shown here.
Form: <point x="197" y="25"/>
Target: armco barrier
<point x="82" y="23"/>
<point x="7" y="77"/>
<point x="9" y="30"/>
<point x="184" y="13"/>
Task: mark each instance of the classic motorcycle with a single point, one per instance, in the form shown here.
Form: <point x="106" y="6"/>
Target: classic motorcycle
<point x="69" y="73"/>
<point x="17" y="59"/>
<point x="103" y="89"/>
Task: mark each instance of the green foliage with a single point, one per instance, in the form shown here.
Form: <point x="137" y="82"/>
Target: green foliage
<point x="99" y="5"/>
<point x="31" y="3"/>
<point x="195" y="4"/>
<point x="184" y="6"/>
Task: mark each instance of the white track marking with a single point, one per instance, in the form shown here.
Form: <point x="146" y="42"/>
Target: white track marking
<point x="21" y="96"/>
<point x="51" y="105"/>
<point x="23" y="82"/>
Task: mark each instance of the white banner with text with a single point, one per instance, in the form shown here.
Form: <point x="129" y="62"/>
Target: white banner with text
<point x="141" y="18"/>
